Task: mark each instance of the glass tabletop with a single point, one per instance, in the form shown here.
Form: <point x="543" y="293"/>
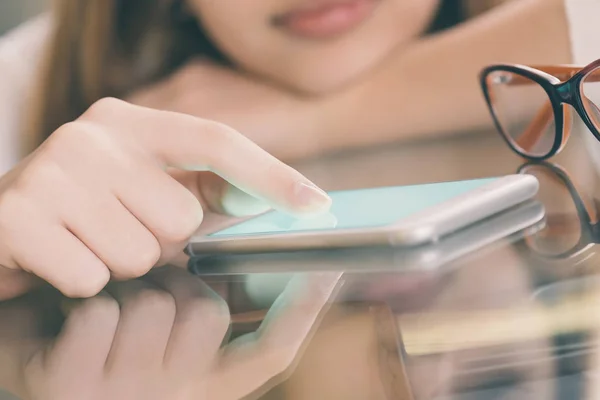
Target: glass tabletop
<point x="504" y="309"/>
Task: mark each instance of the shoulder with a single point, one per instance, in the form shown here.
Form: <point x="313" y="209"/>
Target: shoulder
<point x="584" y="29"/>
<point x="21" y="53"/>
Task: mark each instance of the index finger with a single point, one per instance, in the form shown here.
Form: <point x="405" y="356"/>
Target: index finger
<point x="190" y="143"/>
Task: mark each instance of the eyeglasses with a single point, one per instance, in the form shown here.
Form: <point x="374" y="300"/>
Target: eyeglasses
<point x="530" y="105"/>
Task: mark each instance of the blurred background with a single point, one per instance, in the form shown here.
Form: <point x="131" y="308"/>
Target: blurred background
<point x="13" y="12"/>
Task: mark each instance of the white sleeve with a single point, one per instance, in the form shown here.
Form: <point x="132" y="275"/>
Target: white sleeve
<point x="20" y="58"/>
<point x="584" y="25"/>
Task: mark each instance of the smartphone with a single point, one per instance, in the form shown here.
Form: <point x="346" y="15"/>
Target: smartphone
<point x="389" y="216"/>
<point x="499" y="230"/>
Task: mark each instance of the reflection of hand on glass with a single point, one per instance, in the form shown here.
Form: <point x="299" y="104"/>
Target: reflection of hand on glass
<point x="162" y="337"/>
<point x="349" y="349"/>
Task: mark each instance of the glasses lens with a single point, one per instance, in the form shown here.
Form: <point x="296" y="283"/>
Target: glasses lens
<point x="524" y="111"/>
<point x="591" y="95"/>
<point x="563" y="226"/>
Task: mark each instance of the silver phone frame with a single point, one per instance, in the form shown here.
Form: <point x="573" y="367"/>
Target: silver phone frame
<point x="428" y="225"/>
<point x="499" y="230"/>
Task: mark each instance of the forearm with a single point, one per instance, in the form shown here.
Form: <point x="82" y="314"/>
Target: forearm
<point x="432" y="88"/>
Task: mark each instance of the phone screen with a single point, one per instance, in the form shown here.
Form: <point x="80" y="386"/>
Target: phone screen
<point x="363" y="208"/>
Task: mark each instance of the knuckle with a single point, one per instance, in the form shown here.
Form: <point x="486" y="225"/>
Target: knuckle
<point x="156" y="300"/>
<point x="100" y="308"/>
<point x="209" y="307"/>
<point x="85" y="288"/>
<point x="179" y="232"/>
<point x="138" y="263"/>
<point x="71" y="139"/>
<point x="65" y="133"/>
<point x="104" y="108"/>
<point x="183" y="222"/>
<point x="212" y="313"/>
<point x="149" y="256"/>
<point x="137" y="252"/>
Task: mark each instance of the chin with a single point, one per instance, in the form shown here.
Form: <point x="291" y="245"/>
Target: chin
<point x="321" y="67"/>
<point x="322" y="78"/>
<point x="331" y="67"/>
<point x="320" y="85"/>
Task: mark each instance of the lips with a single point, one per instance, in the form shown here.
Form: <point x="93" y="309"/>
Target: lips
<point x="327" y="19"/>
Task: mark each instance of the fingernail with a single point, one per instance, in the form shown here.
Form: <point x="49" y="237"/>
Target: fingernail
<point x="309" y="198"/>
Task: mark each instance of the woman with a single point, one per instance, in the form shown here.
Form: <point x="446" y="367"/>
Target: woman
<point x="299" y="78"/>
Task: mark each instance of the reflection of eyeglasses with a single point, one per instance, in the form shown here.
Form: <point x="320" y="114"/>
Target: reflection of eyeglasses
<point x="529" y="105"/>
<point x="571" y="218"/>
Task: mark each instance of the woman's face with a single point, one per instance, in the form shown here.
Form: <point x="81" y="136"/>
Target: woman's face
<point x="312" y="46"/>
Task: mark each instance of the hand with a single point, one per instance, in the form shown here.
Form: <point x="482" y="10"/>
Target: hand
<point x="277" y="120"/>
<point x="161" y="338"/>
<point x="106" y="196"/>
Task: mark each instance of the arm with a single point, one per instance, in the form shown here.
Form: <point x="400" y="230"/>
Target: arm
<point x="432" y="88"/>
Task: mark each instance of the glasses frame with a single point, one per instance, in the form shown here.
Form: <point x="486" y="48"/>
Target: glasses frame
<point x="562" y="84"/>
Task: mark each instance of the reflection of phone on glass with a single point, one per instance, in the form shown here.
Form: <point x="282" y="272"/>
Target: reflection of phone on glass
<point x="391" y="216"/>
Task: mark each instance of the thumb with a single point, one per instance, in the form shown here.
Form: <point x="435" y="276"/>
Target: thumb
<point x="237" y="203"/>
<point x="219" y="196"/>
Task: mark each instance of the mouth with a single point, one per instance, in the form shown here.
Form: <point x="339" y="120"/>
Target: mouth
<point x="327" y="19"/>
